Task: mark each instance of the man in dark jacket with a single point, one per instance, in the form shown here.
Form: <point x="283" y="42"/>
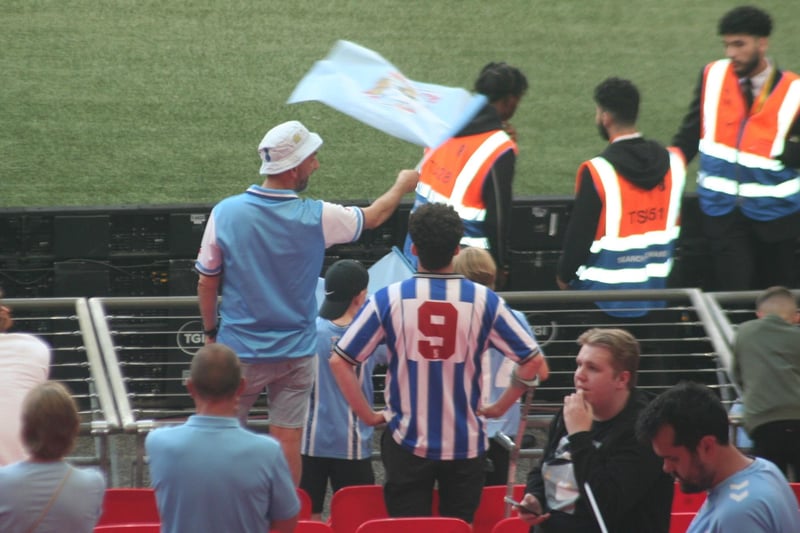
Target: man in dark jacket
<point x="473" y="171"/>
<point x="592" y="446"/>
<point x="625" y="219"/>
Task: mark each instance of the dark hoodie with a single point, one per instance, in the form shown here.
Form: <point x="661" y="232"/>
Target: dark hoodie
<point x="632" y="492"/>
<point x="639" y="161"/>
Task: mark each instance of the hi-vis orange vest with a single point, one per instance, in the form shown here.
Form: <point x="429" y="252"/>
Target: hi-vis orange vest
<point x="739" y="147"/>
<point x="454" y="174"/>
<point x="636" y="234"/>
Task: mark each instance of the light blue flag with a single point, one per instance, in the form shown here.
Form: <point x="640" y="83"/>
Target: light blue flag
<point x="362" y="84"/>
<point x="389" y="269"/>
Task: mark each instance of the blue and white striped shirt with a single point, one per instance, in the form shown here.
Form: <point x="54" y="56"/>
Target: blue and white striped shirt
<point x="436" y="328"/>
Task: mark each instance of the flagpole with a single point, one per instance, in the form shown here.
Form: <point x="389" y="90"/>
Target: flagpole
<point x="595" y="509"/>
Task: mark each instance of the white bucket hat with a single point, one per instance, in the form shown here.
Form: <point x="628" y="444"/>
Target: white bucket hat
<point x="285" y="146"/>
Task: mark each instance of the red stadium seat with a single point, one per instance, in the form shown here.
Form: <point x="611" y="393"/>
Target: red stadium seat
<point x="686" y="503"/>
<point x="511" y="525"/>
<point x="492" y="508"/>
<point x="423" y="524"/>
<point x="304" y="517"/>
<point x="305" y="504"/>
<point x="679" y="522"/>
<point x="796" y="489"/>
<point x="128" y="528"/>
<point x="354" y="505"/>
<point x="129" y="506"/>
<point x="308" y="526"/>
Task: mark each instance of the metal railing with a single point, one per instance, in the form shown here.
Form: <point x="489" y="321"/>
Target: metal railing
<point x="147" y="345"/>
<point x="126" y="359"/>
<point x="76" y="360"/>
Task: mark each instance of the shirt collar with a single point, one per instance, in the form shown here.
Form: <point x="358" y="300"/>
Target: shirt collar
<point x="213" y="421"/>
<point x="628" y="137"/>
<point x="258" y="190"/>
<point x="761" y="78"/>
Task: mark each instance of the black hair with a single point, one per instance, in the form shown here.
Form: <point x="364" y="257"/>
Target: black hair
<point x="692" y="410"/>
<point x="436" y="231"/>
<point x="620" y="98"/>
<point x="747" y="20"/>
<point x="499" y="80"/>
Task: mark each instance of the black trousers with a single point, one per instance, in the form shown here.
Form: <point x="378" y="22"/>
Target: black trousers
<point x="750" y="255"/>
<point x="408" y="490"/>
<point x="779" y="442"/>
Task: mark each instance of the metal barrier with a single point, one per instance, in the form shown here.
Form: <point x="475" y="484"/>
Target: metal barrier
<point x="65" y="324"/>
<point x="729" y="309"/>
<point x="679" y="341"/>
<point x="147" y="345"/>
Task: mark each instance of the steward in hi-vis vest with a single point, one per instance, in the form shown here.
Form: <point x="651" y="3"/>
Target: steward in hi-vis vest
<point x="745" y="123"/>
<point x="626" y="217"/>
<point x="456" y="174"/>
<point x="474" y="170"/>
<point x="637" y="229"/>
<point x="738" y="146"/>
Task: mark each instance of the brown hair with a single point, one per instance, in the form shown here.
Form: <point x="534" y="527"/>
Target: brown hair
<point x="623" y="346"/>
<point x="215" y="372"/>
<point x="779" y="301"/>
<point x="476" y="264"/>
<point x="50" y="421"/>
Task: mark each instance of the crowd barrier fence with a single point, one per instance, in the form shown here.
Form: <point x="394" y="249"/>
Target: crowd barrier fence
<point x="127" y="358"/>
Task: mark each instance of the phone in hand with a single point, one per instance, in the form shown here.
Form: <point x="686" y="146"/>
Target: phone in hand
<point x="520" y="505"/>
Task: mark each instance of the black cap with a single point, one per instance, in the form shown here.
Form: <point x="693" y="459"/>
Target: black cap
<point x="343" y="281"/>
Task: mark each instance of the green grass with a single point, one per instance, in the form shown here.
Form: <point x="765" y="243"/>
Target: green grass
<point x="110" y="102"/>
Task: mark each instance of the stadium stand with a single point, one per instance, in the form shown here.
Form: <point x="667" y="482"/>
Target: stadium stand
<point x="129" y="528"/>
<point x="492" y="509"/>
<point x="125" y="353"/>
<point x="129" y="506"/>
<point x="307" y="526"/>
<point x="126" y="358"/>
<point x="432" y="524"/>
<point x="511" y="525"/>
<point x="354" y="505"/>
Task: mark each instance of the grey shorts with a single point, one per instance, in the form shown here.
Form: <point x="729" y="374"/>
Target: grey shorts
<point x="288" y="385"/>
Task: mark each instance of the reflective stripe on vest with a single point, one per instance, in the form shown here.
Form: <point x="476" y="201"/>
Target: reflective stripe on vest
<point x="476" y="242"/>
<point x="712" y="144"/>
<point x="613" y="240"/>
<point x="486" y="152"/>
<point x="749" y="190"/>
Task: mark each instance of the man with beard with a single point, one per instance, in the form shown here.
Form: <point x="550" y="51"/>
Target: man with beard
<point x="625" y="219"/>
<point x="745" y="122"/>
<point x="688" y="428"/>
<point x="269" y="245"/>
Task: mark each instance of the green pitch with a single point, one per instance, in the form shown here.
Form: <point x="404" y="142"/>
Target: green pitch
<point x="110" y="102"/>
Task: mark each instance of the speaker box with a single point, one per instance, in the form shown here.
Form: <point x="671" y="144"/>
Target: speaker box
<point x="533" y="271"/>
<point x="182" y="277"/>
<point x="81" y="236"/>
<point x="186" y="233"/>
<point x="80" y="279"/>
